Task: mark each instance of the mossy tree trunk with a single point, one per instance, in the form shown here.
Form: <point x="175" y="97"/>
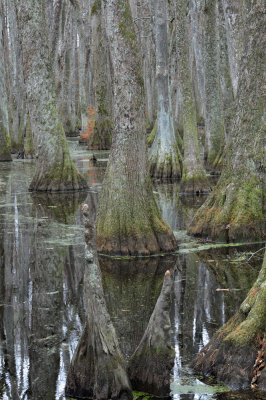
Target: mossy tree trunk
<point x="215" y="135"/>
<point x="240" y="344"/>
<point x="102" y="135"/>
<point x="164" y="154"/>
<point x="4" y="126"/>
<point x="128" y="220"/>
<point x="235" y="210"/>
<point x="55" y="170"/>
<point x="97" y="368"/>
<point x="194" y="179"/>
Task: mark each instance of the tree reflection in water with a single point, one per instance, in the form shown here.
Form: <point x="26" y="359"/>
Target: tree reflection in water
<point x="42" y="311"/>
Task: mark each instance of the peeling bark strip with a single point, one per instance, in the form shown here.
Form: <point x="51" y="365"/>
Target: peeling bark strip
<point x="128" y="220"/>
<point x="55" y="170"/>
<point x="237" y="347"/>
<point x="97" y="368"/>
<point x="235" y="210"/>
<point x="164" y="154"/>
<point x="151" y="365"/>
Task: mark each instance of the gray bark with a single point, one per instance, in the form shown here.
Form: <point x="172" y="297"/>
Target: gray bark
<point x="128" y="220"/>
<point x="164" y="154"/>
<point x="194" y="178"/>
<point x="215" y="134"/>
<point x="97" y="368"/>
<point x="55" y="170"/>
<point x="4" y="123"/>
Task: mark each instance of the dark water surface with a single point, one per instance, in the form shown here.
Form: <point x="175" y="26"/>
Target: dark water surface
<point x="42" y="263"/>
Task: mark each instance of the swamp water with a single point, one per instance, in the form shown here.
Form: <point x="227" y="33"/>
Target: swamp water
<point x="42" y="262"/>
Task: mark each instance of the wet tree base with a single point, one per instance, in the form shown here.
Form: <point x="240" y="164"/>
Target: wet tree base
<point x="229" y="364"/>
<point x="199" y="185"/>
<point x="5" y="157"/>
<point x="160" y="242"/>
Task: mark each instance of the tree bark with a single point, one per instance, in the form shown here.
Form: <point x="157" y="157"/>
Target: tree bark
<point x="97" y="367"/>
<point x="102" y="135"/>
<point x="215" y="135"/>
<point x="194" y="179"/>
<point x="164" y="154"/>
<point x="151" y="365"/>
<point x="55" y="170"/>
<point x="235" y="210"/>
<point x="240" y="344"/>
<point x="128" y="220"/>
<point x="4" y="126"/>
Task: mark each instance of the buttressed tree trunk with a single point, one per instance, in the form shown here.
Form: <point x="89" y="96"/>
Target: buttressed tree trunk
<point x="4" y="145"/>
<point x="240" y="345"/>
<point x="194" y="179"/>
<point x="164" y="153"/>
<point x="97" y="369"/>
<point x="55" y="170"/>
<point x="151" y="365"/>
<point x="235" y="210"/>
<point x="128" y="220"/>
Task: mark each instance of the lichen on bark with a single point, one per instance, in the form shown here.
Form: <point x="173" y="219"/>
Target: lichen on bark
<point x="238" y="342"/>
<point x="236" y="209"/>
<point x="164" y="155"/>
<point x="128" y="220"/>
<point x="55" y="170"/>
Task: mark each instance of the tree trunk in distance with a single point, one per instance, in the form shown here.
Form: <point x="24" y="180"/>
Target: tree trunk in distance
<point x="102" y="135"/>
<point x="151" y="365"/>
<point x="194" y="179"/>
<point x="240" y="343"/>
<point x="164" y="154"/>
<point x="128" y="220"/>
<point x="55" y="170"/>
<point x="236" y="209"/>
<point x="5" y="154"/>
<point x="97" y="368"/>
<point x="215" y="135"/>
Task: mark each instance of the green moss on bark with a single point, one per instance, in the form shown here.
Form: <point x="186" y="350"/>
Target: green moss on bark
<point x="5" y="154"/>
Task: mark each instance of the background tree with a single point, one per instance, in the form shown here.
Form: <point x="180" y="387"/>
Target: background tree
<point x="236" y="208"/>
<point x="4" y="125"/>
<point x="194" y="177"/>
<point x="128" y="220"/>
<point x="164" y="154"/>
<point x="55" y="170"/>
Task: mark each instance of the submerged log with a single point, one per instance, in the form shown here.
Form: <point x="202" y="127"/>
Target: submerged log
<point x="236" y="353"/>
<point x="151" y="364"/>
<point x="97" y="369"/>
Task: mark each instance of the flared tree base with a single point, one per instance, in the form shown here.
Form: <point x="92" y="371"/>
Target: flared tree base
<point x="101" y="138"/>
<point x="165" y="168"/>
<point x="236" y="353"/>
<point x="61" y="178"/>
<point x="233" y="212"/>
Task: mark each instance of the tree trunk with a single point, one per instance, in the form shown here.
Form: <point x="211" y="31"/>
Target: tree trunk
<point x="239" y="346"/>
<point x="194" y="179"/>
<point x="102" y="135"/>
<point x="55" y="170"/>
<point x="128" y="220"/>
<point x="214" y="114"/>
<point x="151" y="365"/>
<point x="235" y="210"/>
<point x="97" y="368"/>
<point x="4" y="126"/>
<point x="164" y="154"/>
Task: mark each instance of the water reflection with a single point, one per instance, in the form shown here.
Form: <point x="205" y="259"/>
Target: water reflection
<point x="42" y="308"/>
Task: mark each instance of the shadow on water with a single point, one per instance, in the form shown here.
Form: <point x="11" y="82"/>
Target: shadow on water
<point x="42" y="305"/>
